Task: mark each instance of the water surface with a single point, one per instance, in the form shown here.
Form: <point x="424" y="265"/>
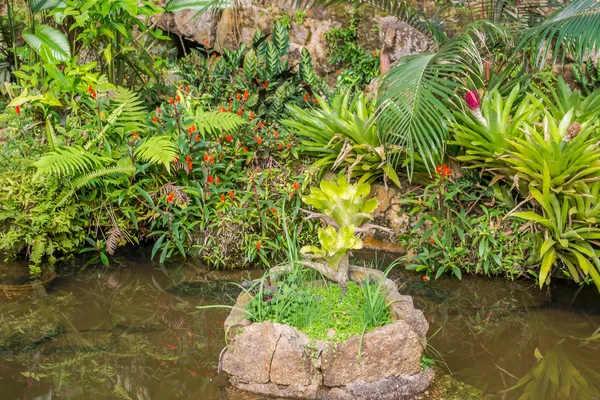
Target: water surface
<point x="133" y="331"/>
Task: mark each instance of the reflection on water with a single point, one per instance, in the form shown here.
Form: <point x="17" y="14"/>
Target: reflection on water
<point x="134" y="332"/>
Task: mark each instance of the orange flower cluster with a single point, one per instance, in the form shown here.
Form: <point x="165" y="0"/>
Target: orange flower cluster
<point x="443" y="170"/>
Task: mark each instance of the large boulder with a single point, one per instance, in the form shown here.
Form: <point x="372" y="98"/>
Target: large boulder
<point x="279" y="360"/>
<point x="231" y="28"/>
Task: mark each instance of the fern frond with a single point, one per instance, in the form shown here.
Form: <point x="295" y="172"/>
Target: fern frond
<point x="112" y="118"/>
<point x="133" y="114"/>
<point x="68" y="161"/>
<point x="113" y="239"/>
<point x="51" y="135"/>
<point x="37" y="250"/>
<point x="89" y="179"/>
<point x="178" y="192"/>
<point x="213" y="122"/>
<point x="158" y="150"/>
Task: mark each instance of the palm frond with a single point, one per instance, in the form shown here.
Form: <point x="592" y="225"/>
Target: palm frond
<point x="415" y="96"/>
<point x="68" y="161"/>
<point x="574" y="28"/>
<point x="157" y="150"/>
<point x="213" y="122"/>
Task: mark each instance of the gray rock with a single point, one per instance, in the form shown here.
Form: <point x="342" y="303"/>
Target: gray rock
<point x="279" y="360"/>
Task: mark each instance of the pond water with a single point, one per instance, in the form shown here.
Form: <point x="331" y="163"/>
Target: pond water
<point x="133" y="331"/>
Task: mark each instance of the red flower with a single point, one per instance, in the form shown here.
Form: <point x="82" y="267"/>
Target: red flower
<point x="296" y="186"/>
<point x="337" y="73"/>
<point x="207" y="42"/>
<point x="432" y="240"/>
<point x="211" y="159"/>
<point x="222" y="198"/>
<point x="472" y="99"/>
<point x="276" y="135"/>
<point x="231" y="194"/>
<point x="214" y="54"/>
<point x="258" y="245"/>
<point x="193" y="373"/>
<point x="289" y="145"/>
<point x="218" y="180"/>
<point x="425" y="278"/>
<point x="197" y="138"/>
<point x="228" y="109"/>
<point x="260" y="124"/>
<point x="171" y="101"/>
<point x="190" y="165"/>
<point x="94" y="94"/>
<point x="259" y="140"/>
<point x="180" y="88"/>
<point x="229" y="138"/>
<point x="90" y="89"/>
<point x="172" y="346"/>
<point x="154" y="119"/>
<point x="170" y="197"/>
<point x="306" y="97"/>
<point x="187" y="88"/>
<point x="189" y="129"/>
<point x="188" y="158"/>
<point x="239" y="96"/>
<point x="251" y="116"/>
<point x="205" y="157"/>
<point x="158" y="111"/>
<point x="245" y="150"/>
<point x="230" y="102"/>
<point x="245" y="94"/>
<point x="211" y="179"/>
<point x="178" y="98"/>
<point x="438" y="169"/>
<point x="265" y="84"/>
<point x="240" y="111"/>
<point x="279" y="147"/>
<point x="135" y="134"/>
<point x="374" y="53"/>
<point x="18" y="110"/>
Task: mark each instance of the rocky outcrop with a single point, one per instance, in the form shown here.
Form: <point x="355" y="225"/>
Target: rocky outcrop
<point x="230" y="28"/>
<point x="279" y="360"/>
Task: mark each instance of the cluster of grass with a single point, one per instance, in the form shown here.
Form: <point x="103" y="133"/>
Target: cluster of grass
<point x="321" y="309"/>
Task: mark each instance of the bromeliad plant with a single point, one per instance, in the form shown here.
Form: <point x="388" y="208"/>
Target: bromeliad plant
<point x="343" y="136"/>
<point x="570" y="235"/>
<point x="346" y="209"/>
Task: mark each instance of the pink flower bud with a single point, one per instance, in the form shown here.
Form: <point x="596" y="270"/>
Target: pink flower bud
<point x="472" y="99"/>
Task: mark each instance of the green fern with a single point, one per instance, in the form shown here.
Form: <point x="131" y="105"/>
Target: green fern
<point x="90" y="179"/>
<point x="51" y="135"/>
<point x="68" y="161"/>
<point x="157" y="150"/>
<point x="133" y="115"/>
<point x="110" y="121"/>
<point x="214" y="122"/>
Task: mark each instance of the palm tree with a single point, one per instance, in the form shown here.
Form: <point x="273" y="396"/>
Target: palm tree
<point x="418" y="96"/>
